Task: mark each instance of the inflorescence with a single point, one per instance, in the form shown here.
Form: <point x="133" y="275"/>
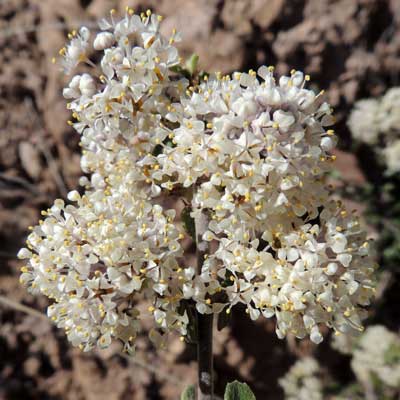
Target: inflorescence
<point x="247" y="151"/>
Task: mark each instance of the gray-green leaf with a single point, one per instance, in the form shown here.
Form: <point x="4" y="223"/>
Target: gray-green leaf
<point x="189" y="393"/>
<point x="238" y="391"/>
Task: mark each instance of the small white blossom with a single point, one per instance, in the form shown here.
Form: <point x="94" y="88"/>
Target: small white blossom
<point x="76" y="51"/>
<point x="103" y="40"/>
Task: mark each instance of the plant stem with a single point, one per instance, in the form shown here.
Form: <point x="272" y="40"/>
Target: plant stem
<point x="205" y="356"/>
<point x="205" y="390"/>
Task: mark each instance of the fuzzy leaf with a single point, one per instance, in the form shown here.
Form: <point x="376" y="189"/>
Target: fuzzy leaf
<point x="189" y="393"/>
<point x="238" y="391"/>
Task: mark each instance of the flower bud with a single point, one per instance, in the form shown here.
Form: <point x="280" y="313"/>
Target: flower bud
<point x="103" y="40"/>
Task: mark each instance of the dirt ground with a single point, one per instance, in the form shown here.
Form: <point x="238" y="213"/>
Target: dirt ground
<point x="351" y="48"/>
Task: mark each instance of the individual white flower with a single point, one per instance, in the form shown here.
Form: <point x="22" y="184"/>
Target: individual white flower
<point x="87" y="85"/>
<point x="76" y="50"/>
<point x="103" y="40"/>
<point x="302" y="381"/>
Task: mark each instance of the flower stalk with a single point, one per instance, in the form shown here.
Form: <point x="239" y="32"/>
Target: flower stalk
<point x="205" y="356"/>
<point x="205" y="389"/>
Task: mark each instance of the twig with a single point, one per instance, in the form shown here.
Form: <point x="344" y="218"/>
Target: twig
<point x="20" y="307"/>
<point x="45" y="151"/>
<point x="53" y="168"/>
<point x="17" y="180"/>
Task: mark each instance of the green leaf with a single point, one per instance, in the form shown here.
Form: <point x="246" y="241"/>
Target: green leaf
<point x="176" y="68"/>
<point x="191" y="64"/>
<point x="189" y="393"/>
<point x="238" y="391"/>
<point x="190" y="67"/>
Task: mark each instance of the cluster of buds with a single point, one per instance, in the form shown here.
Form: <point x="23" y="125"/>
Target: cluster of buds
<point x="246" y="152"/>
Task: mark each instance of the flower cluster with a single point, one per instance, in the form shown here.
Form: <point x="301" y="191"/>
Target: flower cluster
<point x="263" y="143"/>
<point x="377" y="355"/>
<point x="302" y="381"/>
<point x="248" y="155"/>
<point x="316" y="274"/>
<point x="123" y="114"/>
<point x="93" y="258"/>
<point x="375" y="361"/>
<point x="377" y="121"/>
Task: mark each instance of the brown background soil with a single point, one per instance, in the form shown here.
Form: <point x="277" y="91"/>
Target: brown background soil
<point x="351" y="48"/>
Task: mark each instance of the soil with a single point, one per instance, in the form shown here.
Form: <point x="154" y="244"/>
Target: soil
<point x="351" y="48"/>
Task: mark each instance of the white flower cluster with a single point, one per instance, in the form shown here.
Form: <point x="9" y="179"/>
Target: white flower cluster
<point x="247" y="152"/>
<point x="377" y="122"/>
<point x="93" y="258"/>
<point x="377" y="354"/>
<point x="316" y="274"/>
<point x="375" y="360"/>
<point x="302" y="381"/>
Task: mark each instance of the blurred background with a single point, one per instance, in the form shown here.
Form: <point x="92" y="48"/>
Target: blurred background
<point x="351" y="48"/>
